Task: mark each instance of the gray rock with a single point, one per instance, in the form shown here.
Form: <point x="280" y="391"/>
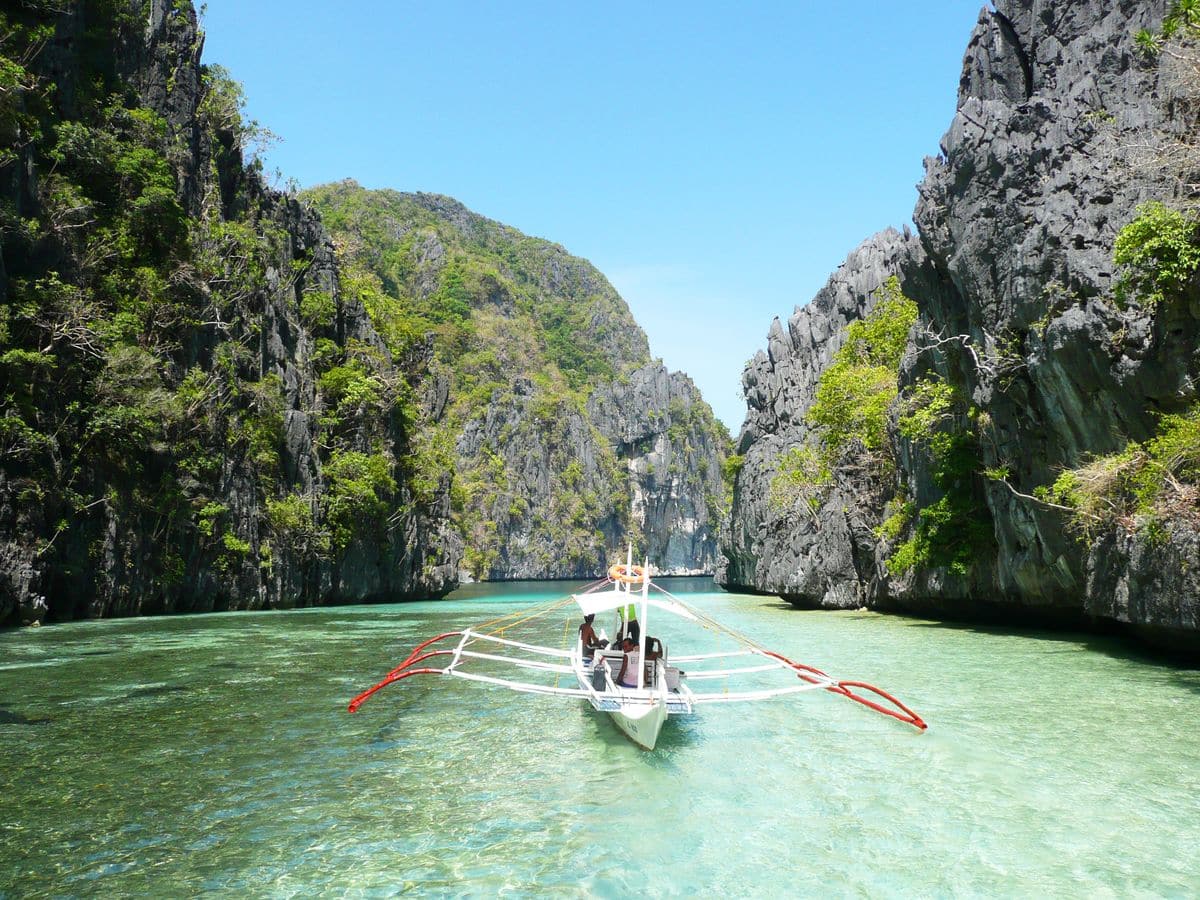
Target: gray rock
<point x="671" y="447"/>
<point x="1016" y="222"/>
<point x="811" y="558"/>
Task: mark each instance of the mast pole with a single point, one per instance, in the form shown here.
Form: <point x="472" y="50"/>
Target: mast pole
<point x="643" y="629"/>
<point x="623" y="613"/>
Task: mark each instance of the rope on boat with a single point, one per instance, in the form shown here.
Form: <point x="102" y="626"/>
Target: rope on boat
<point x="566" y="631"/>
<point x="534" y="612"/>
<point x="534" y="615"/>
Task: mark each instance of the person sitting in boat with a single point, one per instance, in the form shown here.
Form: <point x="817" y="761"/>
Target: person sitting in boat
<point x="588" y="637"/>
<point x="654" y="649"/>
<point x="627" y="677"/>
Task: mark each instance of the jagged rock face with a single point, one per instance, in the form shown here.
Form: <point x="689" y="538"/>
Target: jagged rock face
<point x="650" y="473"/>
<point x="1018" y="218"/>
<point x="1150" y="585"/>
<point x="116" y="557"/>
<point x="812" y="559"/>
<point x="664" y="435"/>
<point x="1016" y="221"/>
<point x="546" y="464"/>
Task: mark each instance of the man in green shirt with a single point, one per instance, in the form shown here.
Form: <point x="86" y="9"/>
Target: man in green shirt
<point x="629" y="623"/>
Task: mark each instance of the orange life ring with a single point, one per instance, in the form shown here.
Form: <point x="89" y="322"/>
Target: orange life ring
<point x="627" y="574"/>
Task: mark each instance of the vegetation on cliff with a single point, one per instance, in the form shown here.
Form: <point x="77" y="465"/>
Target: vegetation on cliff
<point x="849" y="417"/>
<point x="1158" y="254"/>
<point x="1181" y="21"/>
<point x="478" y="290"/>
<point x="156" y="307"/>
<point x="855" y="392"/>
<point x="955" y="530"/>
<point x="523" y="337"/>
<point x="1142" y="488"/>
<point x="109" y="282"/>
<point x="1149" y="483"/>
<point x="850" y="408"/>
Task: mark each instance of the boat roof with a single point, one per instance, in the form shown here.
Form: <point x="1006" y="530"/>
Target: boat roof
<point x="599" y="601"/>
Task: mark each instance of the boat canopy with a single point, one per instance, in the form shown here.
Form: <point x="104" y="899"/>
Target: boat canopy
<point x="600" y="601"/>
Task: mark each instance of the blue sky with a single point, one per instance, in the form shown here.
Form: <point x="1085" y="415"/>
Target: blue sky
<point x="717" y="161"/>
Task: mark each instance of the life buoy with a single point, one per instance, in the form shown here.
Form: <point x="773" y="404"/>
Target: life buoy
<point x="627" y="574"/>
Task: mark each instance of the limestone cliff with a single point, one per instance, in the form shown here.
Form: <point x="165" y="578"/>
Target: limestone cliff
<point x="172" y="438"/>
<point x="1014" y="281"/>
<point x="815" y="554"/>
<point x="567" y="440"/>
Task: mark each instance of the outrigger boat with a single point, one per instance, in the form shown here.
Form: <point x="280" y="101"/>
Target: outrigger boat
<point x="659" y="688"/>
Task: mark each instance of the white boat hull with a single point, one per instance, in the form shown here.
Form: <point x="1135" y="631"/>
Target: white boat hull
<point x="641" y="723"/>
<point x="639" y="714"/>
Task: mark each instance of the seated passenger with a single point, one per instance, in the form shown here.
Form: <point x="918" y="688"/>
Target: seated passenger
<point x="654" y="649"/>
<point x="627" y="677"/>
<point x="587" y="636"/>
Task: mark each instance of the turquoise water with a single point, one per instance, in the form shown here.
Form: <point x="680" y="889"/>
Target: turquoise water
<point x="213" y="754"/>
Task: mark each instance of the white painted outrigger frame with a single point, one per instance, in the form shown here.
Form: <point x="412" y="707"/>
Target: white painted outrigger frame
<point x="641" y="711"/>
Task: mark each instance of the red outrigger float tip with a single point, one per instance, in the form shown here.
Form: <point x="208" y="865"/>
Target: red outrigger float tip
<point x="402" y="671"/>
<point x="901" y="712"/>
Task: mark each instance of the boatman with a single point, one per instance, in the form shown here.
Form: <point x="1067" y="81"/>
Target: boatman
<point x="629" y="623"/>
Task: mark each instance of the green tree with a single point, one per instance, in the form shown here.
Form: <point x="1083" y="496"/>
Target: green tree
<point x="1159" y="253"/>
<point x="855" y="392"/>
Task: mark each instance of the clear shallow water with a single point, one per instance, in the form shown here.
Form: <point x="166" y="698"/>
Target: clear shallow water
<point x="174" y="756"/>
